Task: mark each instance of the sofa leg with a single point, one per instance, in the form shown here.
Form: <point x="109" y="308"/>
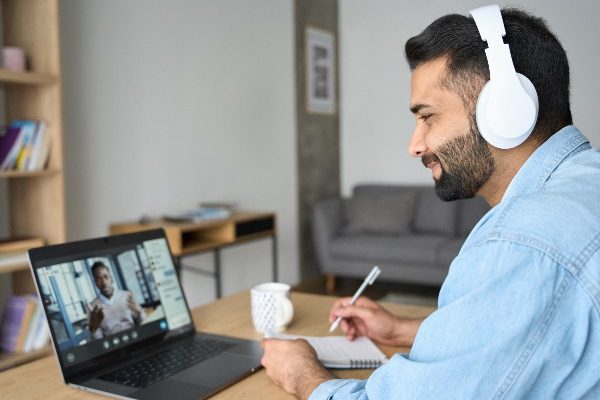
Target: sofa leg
<point x="330" y="284"/>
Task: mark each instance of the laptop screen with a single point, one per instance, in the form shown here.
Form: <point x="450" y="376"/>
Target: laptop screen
<point x="105" y="299"/>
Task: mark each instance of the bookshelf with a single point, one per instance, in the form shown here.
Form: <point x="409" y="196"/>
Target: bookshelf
<point x="32" y="174"/>
<point x="12" y="360"/>
<point x="25" y="78"/>
<point x="14" y="267"/>
<point x="36" y="200"/>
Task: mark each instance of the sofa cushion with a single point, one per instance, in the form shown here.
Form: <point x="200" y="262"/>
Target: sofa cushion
<point x="375" y="190"/>
<point x="389" y="214"/>
<point x="433" y="215"/>
<point x="413" y="249"/>
<point x="447" y="251"/>
<point x="469" y="213"/>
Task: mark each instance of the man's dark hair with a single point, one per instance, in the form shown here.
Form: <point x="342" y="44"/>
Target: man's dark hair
<point x="535" y="51"/>
<point x="96" y="266"/>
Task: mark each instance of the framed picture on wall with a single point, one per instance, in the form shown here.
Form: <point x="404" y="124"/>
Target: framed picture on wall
<point x="320" y="71"/>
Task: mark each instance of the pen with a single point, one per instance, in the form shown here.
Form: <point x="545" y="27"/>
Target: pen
<point x="368" y="281"/>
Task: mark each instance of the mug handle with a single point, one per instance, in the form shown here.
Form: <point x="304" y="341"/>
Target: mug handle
<point x="286" y="309"/>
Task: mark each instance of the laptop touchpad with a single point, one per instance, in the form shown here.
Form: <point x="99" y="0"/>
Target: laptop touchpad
<point x="168" y="390"/>
<point x="224" y="368"/>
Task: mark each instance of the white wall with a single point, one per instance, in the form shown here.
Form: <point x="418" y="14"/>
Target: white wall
<point x="168" y="103"/>
<point x="375" y="80"/>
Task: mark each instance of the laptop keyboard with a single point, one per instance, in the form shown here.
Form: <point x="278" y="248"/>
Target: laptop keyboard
<point x="167" y="363"/>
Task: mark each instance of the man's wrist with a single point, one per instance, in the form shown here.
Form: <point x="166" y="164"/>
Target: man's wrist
<point x="406" y="330"/>
<point x="309" y="382"/>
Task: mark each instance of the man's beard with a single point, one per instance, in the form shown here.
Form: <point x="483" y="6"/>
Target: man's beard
<point x="467" y="165"/>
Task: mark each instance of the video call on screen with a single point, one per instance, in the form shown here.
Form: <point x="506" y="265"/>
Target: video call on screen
<point x="98" y="304"/>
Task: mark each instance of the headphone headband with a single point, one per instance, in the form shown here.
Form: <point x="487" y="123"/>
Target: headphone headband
<point x="489" y="22"/>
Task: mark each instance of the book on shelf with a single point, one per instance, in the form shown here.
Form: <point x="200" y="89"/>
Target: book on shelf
<point x="11" y="142"/>
<point x="24" y="146"/>
<point x="340" y="353"/>
<point x="198" y="215"/>
<point x="40" y="150"/>
<point x="29" y="129"/>
<point x="22" y="328"/>
<point x="37" y="334"/>
<point x="225" y="205"/>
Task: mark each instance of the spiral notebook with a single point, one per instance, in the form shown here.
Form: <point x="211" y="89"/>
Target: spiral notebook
<point x="338" y="352"/>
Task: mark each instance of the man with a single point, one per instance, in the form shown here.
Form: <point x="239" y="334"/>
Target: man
<point x="518" y="313"/>
<point x="114" y="310"/>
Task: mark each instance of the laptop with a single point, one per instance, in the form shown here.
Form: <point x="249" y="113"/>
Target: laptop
<point x="121" y="326"/>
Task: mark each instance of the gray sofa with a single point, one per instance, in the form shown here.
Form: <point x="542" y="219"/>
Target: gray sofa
<point x="406" y="230"/>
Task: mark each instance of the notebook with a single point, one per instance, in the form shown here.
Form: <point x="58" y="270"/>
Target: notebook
<point x="341" y="353"/>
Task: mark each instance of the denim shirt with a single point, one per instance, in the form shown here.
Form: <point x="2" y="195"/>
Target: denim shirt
<point x="518" y="314"/>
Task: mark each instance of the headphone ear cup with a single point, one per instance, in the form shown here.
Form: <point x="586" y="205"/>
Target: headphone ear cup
<point x="493" y="136"/>
<point x="530" y="90"/>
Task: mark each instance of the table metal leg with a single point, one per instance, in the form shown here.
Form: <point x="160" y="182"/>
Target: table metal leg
<point x="274" y="255"/>
<point x="217" y="257"/>
<point x="179" y="266"/>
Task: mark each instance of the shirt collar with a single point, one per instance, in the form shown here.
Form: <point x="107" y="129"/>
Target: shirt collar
<point x="106" y="300"/>
<point x="544" y="160"/>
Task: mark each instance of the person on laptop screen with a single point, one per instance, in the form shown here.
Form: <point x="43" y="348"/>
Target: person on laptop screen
<point x="113" y="310"/>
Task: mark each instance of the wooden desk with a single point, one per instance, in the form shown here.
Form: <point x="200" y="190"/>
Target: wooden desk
<point x="228" y="316"/>
<point x="188" y="238"/>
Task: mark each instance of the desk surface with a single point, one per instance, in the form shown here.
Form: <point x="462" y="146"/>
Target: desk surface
<point x="229" y="316"/>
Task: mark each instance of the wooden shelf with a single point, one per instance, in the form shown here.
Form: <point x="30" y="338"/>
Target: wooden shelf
<point x="12" y="360"/>
<point x="14" y="267"/>
<point x="28" y="174"/>
<point x="15" y="250"/>
<point x="25" y="78"/>
<point x="35" y="200"/>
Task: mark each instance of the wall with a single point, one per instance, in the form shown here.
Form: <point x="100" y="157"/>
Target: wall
<point x="171" y="103"/>
<point x="375" y="80"/>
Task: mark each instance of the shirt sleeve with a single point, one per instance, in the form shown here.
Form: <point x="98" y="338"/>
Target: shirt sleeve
<point x="481" y="334"/>
<point x="340" y="388"/>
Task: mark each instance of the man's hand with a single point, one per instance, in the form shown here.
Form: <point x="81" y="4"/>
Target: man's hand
<point x="293" y="365"/>
<point x="135" y="308"/>
<point x="96" y="317"/>
<point x="367" y="318"/>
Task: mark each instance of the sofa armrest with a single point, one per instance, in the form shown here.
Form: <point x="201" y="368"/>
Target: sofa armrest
<point x="326" y="223"/>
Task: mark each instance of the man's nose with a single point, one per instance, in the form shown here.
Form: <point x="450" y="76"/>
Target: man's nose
<point x="417" y="146"/>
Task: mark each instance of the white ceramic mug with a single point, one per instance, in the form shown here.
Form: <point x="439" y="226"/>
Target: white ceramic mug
<point x="272" y="309"/>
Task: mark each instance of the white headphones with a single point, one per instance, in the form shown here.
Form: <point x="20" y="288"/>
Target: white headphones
<point x="507" y="107"/>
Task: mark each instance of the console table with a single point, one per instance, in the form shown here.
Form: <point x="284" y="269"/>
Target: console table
<point x="188" y="238"/>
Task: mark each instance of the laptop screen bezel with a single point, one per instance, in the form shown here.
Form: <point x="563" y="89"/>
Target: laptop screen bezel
<point x="43" y="256"/>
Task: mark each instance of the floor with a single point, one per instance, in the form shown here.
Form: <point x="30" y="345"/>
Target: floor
<point x="382" y="291"/>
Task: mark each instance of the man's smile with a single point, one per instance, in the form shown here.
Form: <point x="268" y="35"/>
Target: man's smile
<point x="431" y="165"/>
<point x="432" y="162"/>
<point x="436" y="169"/>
